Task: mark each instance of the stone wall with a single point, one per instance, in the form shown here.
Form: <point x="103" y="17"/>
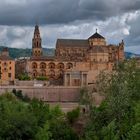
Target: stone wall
<point x="50" y="94"/>
<point x="55" y="95"/>
<point x="31" y="83"/>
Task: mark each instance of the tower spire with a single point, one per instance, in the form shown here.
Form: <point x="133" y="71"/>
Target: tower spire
<point x="36" y="42"/>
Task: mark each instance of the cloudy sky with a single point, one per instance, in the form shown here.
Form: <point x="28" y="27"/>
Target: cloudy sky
<point x="114" y="19"/>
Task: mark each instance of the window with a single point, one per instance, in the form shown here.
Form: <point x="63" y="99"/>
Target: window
<point x="42" y="65"/>
<point x="60" y="66"/>
<point x="5" y="63"/>
<point x="51" y="65"/>
<point x="34" y="65"/>
<point x="9" y="68"/>
<point x="34" y="73"/>
<point x="69" y="65"/>
<point x="9" y="75"/>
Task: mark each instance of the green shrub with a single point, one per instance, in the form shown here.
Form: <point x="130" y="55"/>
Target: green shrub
<point x="42" y="78"/>
<point x="60" y="130"/>
<point x="73" y="115"/>
<point x="19" y="95"/>
<point x="24" y="77"/>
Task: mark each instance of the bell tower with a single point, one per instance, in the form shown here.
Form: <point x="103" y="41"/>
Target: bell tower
<point x="36" y="43"/>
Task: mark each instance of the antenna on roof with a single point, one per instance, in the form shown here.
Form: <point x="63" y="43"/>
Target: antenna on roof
<point x="96" y="30"/>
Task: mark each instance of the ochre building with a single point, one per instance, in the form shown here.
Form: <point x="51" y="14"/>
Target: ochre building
<point x="76" y="62"/>
<point x="7" y="68"/>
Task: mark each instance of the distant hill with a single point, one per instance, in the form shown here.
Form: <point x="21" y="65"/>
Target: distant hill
<point x="19" y="52"/>
<point x="131" y="55"/>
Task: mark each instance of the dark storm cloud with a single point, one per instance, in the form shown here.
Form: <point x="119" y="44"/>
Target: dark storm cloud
<point x="27" y="12"/>
<point x="134" y="38"/>
<point x="115" y="19"/>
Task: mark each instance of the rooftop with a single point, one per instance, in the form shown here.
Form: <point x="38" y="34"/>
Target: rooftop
<point x="72" y="42"/>
<point x="96" y="35"/>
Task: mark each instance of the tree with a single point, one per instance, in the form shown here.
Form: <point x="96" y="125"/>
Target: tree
<point x="44" y="133"/>
<point x="121" y="89"/>
<point x="73" y="115"/>
<point x="62" y="131"/>
<point x="16" y="120"/>
<point x="121" y="104"/>
<point x="134" y="134"/>
<point x="41" y="110"/>
<point x="109" y="132"/>
<point x="32" y="120"/>
<point x="86" y="98"/>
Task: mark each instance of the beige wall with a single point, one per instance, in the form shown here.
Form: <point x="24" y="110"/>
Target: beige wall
<point x="92" y="68"/>
<point x="97" y="41"/>
<point x="7" y="71"/>
<point x="50" y="94"/>
<point x="47" y="69"/>
<point x="54" y="95"/>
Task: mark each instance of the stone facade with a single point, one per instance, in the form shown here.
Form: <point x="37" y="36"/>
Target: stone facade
<point x="21" y="66"/>
<point x="76" y="62"/>
<point x="7" y="68"/>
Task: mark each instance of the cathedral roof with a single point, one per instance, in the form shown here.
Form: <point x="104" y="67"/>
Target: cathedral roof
<point x="72" y="43"/>
<point x="96" y="35"/>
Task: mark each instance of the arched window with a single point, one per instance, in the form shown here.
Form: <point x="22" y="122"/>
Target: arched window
<point x="69" y="65"/>
<point x="5" y="64"/>
<point x="34" y="73"/>
<point x="52" y="65"/>
<point x="43" y="73"/>
<point x="43" y="65"/>
<point x="60" y="66"/>
<point x="34" y="65"/>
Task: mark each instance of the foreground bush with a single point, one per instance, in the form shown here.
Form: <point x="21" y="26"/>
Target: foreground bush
<point x="33" y="120"/>
<point x="73" y="115"/>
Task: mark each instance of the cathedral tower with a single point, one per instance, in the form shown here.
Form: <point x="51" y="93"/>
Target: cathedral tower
<point x="97" y="40"/>
<point x="36" y="43"/>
